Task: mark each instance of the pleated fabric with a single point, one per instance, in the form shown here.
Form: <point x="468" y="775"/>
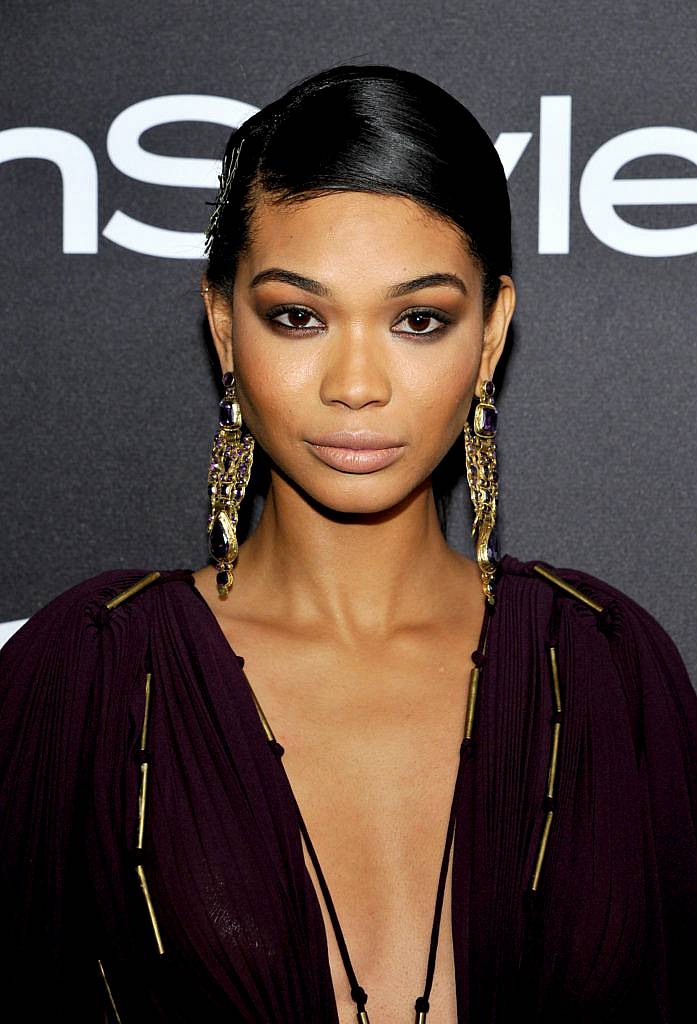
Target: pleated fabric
<point x="609" y="934"/>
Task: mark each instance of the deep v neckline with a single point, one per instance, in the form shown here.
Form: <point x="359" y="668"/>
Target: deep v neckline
<point x="479" y="658"/>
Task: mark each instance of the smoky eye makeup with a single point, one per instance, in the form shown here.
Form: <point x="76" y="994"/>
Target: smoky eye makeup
<point x="418" y="315"/>
<point x="291" y="310"/>
<point x="424" y="314"/>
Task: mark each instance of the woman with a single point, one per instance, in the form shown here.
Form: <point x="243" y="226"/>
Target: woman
<point x="489" y="760"/>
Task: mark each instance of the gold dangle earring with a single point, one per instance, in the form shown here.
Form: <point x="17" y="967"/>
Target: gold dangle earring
<point x="228" y="476"/>
<point x="483" y="480"/>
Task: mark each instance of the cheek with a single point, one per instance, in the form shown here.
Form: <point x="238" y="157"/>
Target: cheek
<point x="272" y="386"/>
<point x="439" y="387"/>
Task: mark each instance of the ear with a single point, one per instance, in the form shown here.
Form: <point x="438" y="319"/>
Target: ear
<point x="219" y="313"/>
<point x="496" y="329"/>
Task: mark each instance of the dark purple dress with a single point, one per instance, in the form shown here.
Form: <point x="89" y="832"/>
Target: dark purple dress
<point x="609" y="934"/>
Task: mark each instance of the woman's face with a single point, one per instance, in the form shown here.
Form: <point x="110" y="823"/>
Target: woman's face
<point x="356" y="336"/>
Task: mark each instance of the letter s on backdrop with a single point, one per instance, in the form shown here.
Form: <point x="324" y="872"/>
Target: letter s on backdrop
<point x="123" y="147"/>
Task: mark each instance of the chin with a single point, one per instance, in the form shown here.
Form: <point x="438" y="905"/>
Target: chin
<point x="361" y="496"/>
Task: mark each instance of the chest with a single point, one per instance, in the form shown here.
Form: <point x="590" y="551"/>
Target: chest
<point x="372" y="757"/>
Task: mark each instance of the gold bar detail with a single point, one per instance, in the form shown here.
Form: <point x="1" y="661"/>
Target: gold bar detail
<point x="541" y="851"/>
<point x="362" y="1017"/>
<point x="143" y="789"/>
<point x="555" y="678"/>
<point x="486" y="635"/>
<point x="471" y="700"/>
<point x="421" y="1017"/>
<point x="151" y="909"/>
<point x="267" y="728"/>
<point x="553" y="763"/>
<point x="108" y="992"/>
<point x="563" y="585"/>
<point x="134" y="589"/>
<point x="146" y="712"/>
<point x="142" y="795"/>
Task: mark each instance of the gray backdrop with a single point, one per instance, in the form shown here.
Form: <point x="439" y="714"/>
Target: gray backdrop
<point x="108" y="397"/>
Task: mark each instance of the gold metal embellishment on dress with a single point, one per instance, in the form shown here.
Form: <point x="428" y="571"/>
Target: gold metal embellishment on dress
<point x="124" y="595"/>
<point x="142" y="798"/>
<point x="134" y="589"/>
<point x="471" y="700"/>
<point x="540" y="569"/>
<point x="110" y="997"/>
<point x="262" y="717"/>
<point x="553" y="760"/>
<point x="541" y="851"/>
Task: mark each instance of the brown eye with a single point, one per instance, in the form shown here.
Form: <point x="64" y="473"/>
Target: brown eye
<point x="418" y="321"/>
<point x="298" y="317"/>
<point x="295" y="318"/>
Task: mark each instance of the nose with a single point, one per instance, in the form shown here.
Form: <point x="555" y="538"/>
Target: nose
<point x="355" y="373"/>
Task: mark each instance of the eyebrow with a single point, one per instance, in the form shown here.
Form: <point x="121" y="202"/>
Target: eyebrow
<point x="395" y="291"/>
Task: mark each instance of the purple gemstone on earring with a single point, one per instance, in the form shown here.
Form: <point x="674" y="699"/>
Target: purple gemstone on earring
<point x="228" y="378"/>
<point x="492" y="546"/>
<point x="219" y="541"/>
<point x="485" y="420"/>
<point x="227" y="413"/>
<point x="221" y="579"/>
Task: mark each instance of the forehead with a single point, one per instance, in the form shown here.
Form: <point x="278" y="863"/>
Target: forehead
<point x="365" y="234"/>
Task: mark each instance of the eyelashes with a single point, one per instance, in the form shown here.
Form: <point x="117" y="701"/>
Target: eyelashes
<point x="422" y="313"/>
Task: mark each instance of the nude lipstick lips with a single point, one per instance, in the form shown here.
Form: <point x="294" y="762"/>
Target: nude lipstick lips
<point x="356" y="452"/>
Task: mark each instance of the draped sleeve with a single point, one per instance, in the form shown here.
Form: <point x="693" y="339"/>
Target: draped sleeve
<point x="48" y="673"/>
<point x="661" y="708"/>
<point x="226" y="877"/>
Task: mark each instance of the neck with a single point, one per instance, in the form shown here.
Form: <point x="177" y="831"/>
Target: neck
<point x="365" y="574"/>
